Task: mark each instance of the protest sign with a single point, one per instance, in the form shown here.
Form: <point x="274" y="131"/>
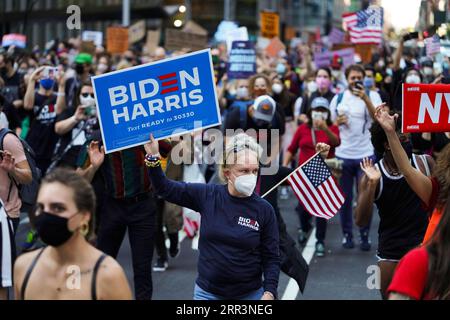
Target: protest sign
<point x="88" y="47"/>
<point x="270" y="24"/>
<point x="274" y="47"/>
<point x="166" y="98"/>
<point x="178" y="40"/>
<point x="242" y="60"/>
<point x="14" y="39"/>
<point x="289" y="33"/>
<point x="117" y="39"/>
<point x="239" y="34"/>
<point x="195" y="28"/>
<point x="95" y="36"/>
<point x="426" y="108"/>
<point x="152" y="40"/>
<point x="136" y="32"/>
<point x="323" y="59"/>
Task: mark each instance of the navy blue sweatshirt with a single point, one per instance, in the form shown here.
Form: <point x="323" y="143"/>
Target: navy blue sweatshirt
<point x="238" y="236"/>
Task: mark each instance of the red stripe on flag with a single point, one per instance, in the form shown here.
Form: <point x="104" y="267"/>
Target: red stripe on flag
<point x="299" y="193"/>
<point x="322" y="210"/>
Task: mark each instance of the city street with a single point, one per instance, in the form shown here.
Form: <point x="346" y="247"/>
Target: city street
<point x="341" y="274"/>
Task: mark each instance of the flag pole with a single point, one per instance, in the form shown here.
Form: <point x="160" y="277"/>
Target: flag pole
<point x="285" y="178"/>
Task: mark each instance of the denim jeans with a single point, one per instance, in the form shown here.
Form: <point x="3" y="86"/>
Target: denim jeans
<point x="200" y="294"/>
<point x="351" y="172"/>
<point x="139" y="218"/>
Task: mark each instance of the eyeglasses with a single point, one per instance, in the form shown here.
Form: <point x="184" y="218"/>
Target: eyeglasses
<point x="85" y="95"/>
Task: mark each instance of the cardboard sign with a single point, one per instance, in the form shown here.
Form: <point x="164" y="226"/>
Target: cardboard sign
<point x="152" y="40"/>
<point x="426" y="108"/>
<point x="323" y="59"/>
<point x="88" y="47"/>
<point x="239" y="34"/>
<point x="242" y="60"/>
<point x="166" y="98"/>
<point x="95" y="36"/>
<point x="178" y="40"/>
<point x="117" y="39"/>
<point x="270" y="24"/>
<point x="14" y="39"/>
<point x="289" y="33"/>
<point x="274" y="47"/>
<point x="136" y="32"/>
<point x="364" y="50"/>
<point x="193" y="27"/>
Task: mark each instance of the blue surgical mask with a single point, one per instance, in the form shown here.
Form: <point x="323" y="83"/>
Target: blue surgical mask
<point x="281" y="69"/>
<point x="47" y="84"/>
<point x="368" y="82"/>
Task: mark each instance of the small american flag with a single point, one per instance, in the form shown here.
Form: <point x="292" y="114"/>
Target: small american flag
<point x="336" y="36"/>
<point x="365" y="26"/>
<point x="316" y="188"/>
<point x="433" y="45"/>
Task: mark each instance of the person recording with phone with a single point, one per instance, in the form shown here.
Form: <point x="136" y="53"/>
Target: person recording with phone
<point x="353" y="111"/>
<point x="75" y="125"/>
<point x="318" y="129"/>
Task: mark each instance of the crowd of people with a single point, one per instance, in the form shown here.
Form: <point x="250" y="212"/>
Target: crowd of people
<point x="82" y="202"/>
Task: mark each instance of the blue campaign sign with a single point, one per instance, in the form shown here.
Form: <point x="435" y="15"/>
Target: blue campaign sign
<point x="242" y="60"/>
<point x="166" y="98"/>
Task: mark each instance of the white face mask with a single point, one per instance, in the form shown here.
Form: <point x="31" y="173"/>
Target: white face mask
<point x="277" y="88"/>
<point x="245" y="184"/>
<point x="88" y="101"/>
<point x="242" y="92"/>
<point x="413" y="78"/>
<point x="312" y="86"/>
<point x="318" y="115"/>
<point x="427" y="71"/>
<point x="102" y="67"/>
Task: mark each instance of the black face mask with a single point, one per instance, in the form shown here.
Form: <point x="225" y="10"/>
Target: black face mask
<point x="79" y="68"/>
<point x="52" y="229"/>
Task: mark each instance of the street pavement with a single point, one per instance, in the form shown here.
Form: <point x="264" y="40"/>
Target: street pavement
<point x="342" y="274"/>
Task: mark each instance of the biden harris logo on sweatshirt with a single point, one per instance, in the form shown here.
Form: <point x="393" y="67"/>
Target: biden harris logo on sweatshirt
<point x="249" y="223"/>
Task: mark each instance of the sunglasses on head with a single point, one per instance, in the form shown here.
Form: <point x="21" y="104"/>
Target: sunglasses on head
<point x="85" y="95"/>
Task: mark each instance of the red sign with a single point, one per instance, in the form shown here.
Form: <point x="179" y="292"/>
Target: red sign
<point x="426" y="108"/>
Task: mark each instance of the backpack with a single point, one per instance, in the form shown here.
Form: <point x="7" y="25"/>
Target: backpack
<point x="27" y="192"/>
<point x="339" y="100"/>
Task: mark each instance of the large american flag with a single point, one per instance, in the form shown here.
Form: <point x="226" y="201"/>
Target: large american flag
<point x="365" y="26"/>
<point x="316" y="188"/>
<point x="433" y="45"/>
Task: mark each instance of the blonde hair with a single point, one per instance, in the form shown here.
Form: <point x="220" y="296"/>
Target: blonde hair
<point x="237" y="143"/>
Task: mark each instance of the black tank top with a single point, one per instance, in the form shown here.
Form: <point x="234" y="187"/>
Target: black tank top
<point x="403" y="221"/>
<point x="34" y="262"/>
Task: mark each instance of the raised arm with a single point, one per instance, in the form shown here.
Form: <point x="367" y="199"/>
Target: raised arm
<point x="28" y="100"/>
<point x="189" y="195"/>
<point x="398" y="55"/>
<point x="366" y="195"/>
<point x="419" y="182"/>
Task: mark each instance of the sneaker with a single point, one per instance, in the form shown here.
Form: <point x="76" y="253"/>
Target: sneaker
<point x="365" y="244"/>
<point x="284" y="194"/>
<point x="347" y="242"/>
<point x="160" y="265"/>
<point x="302" y="237"/>
<point x="320" y="249"/>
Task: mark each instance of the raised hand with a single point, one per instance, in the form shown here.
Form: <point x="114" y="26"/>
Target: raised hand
<point x="323" y="149"/>
<point x="96" y="154"/>
<point x="152" y="147"/>
<point x="372" y="172"/>
<point x="386" y="121"/>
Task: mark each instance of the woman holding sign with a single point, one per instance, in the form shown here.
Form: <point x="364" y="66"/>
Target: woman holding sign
<point x="239" y="243"/>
